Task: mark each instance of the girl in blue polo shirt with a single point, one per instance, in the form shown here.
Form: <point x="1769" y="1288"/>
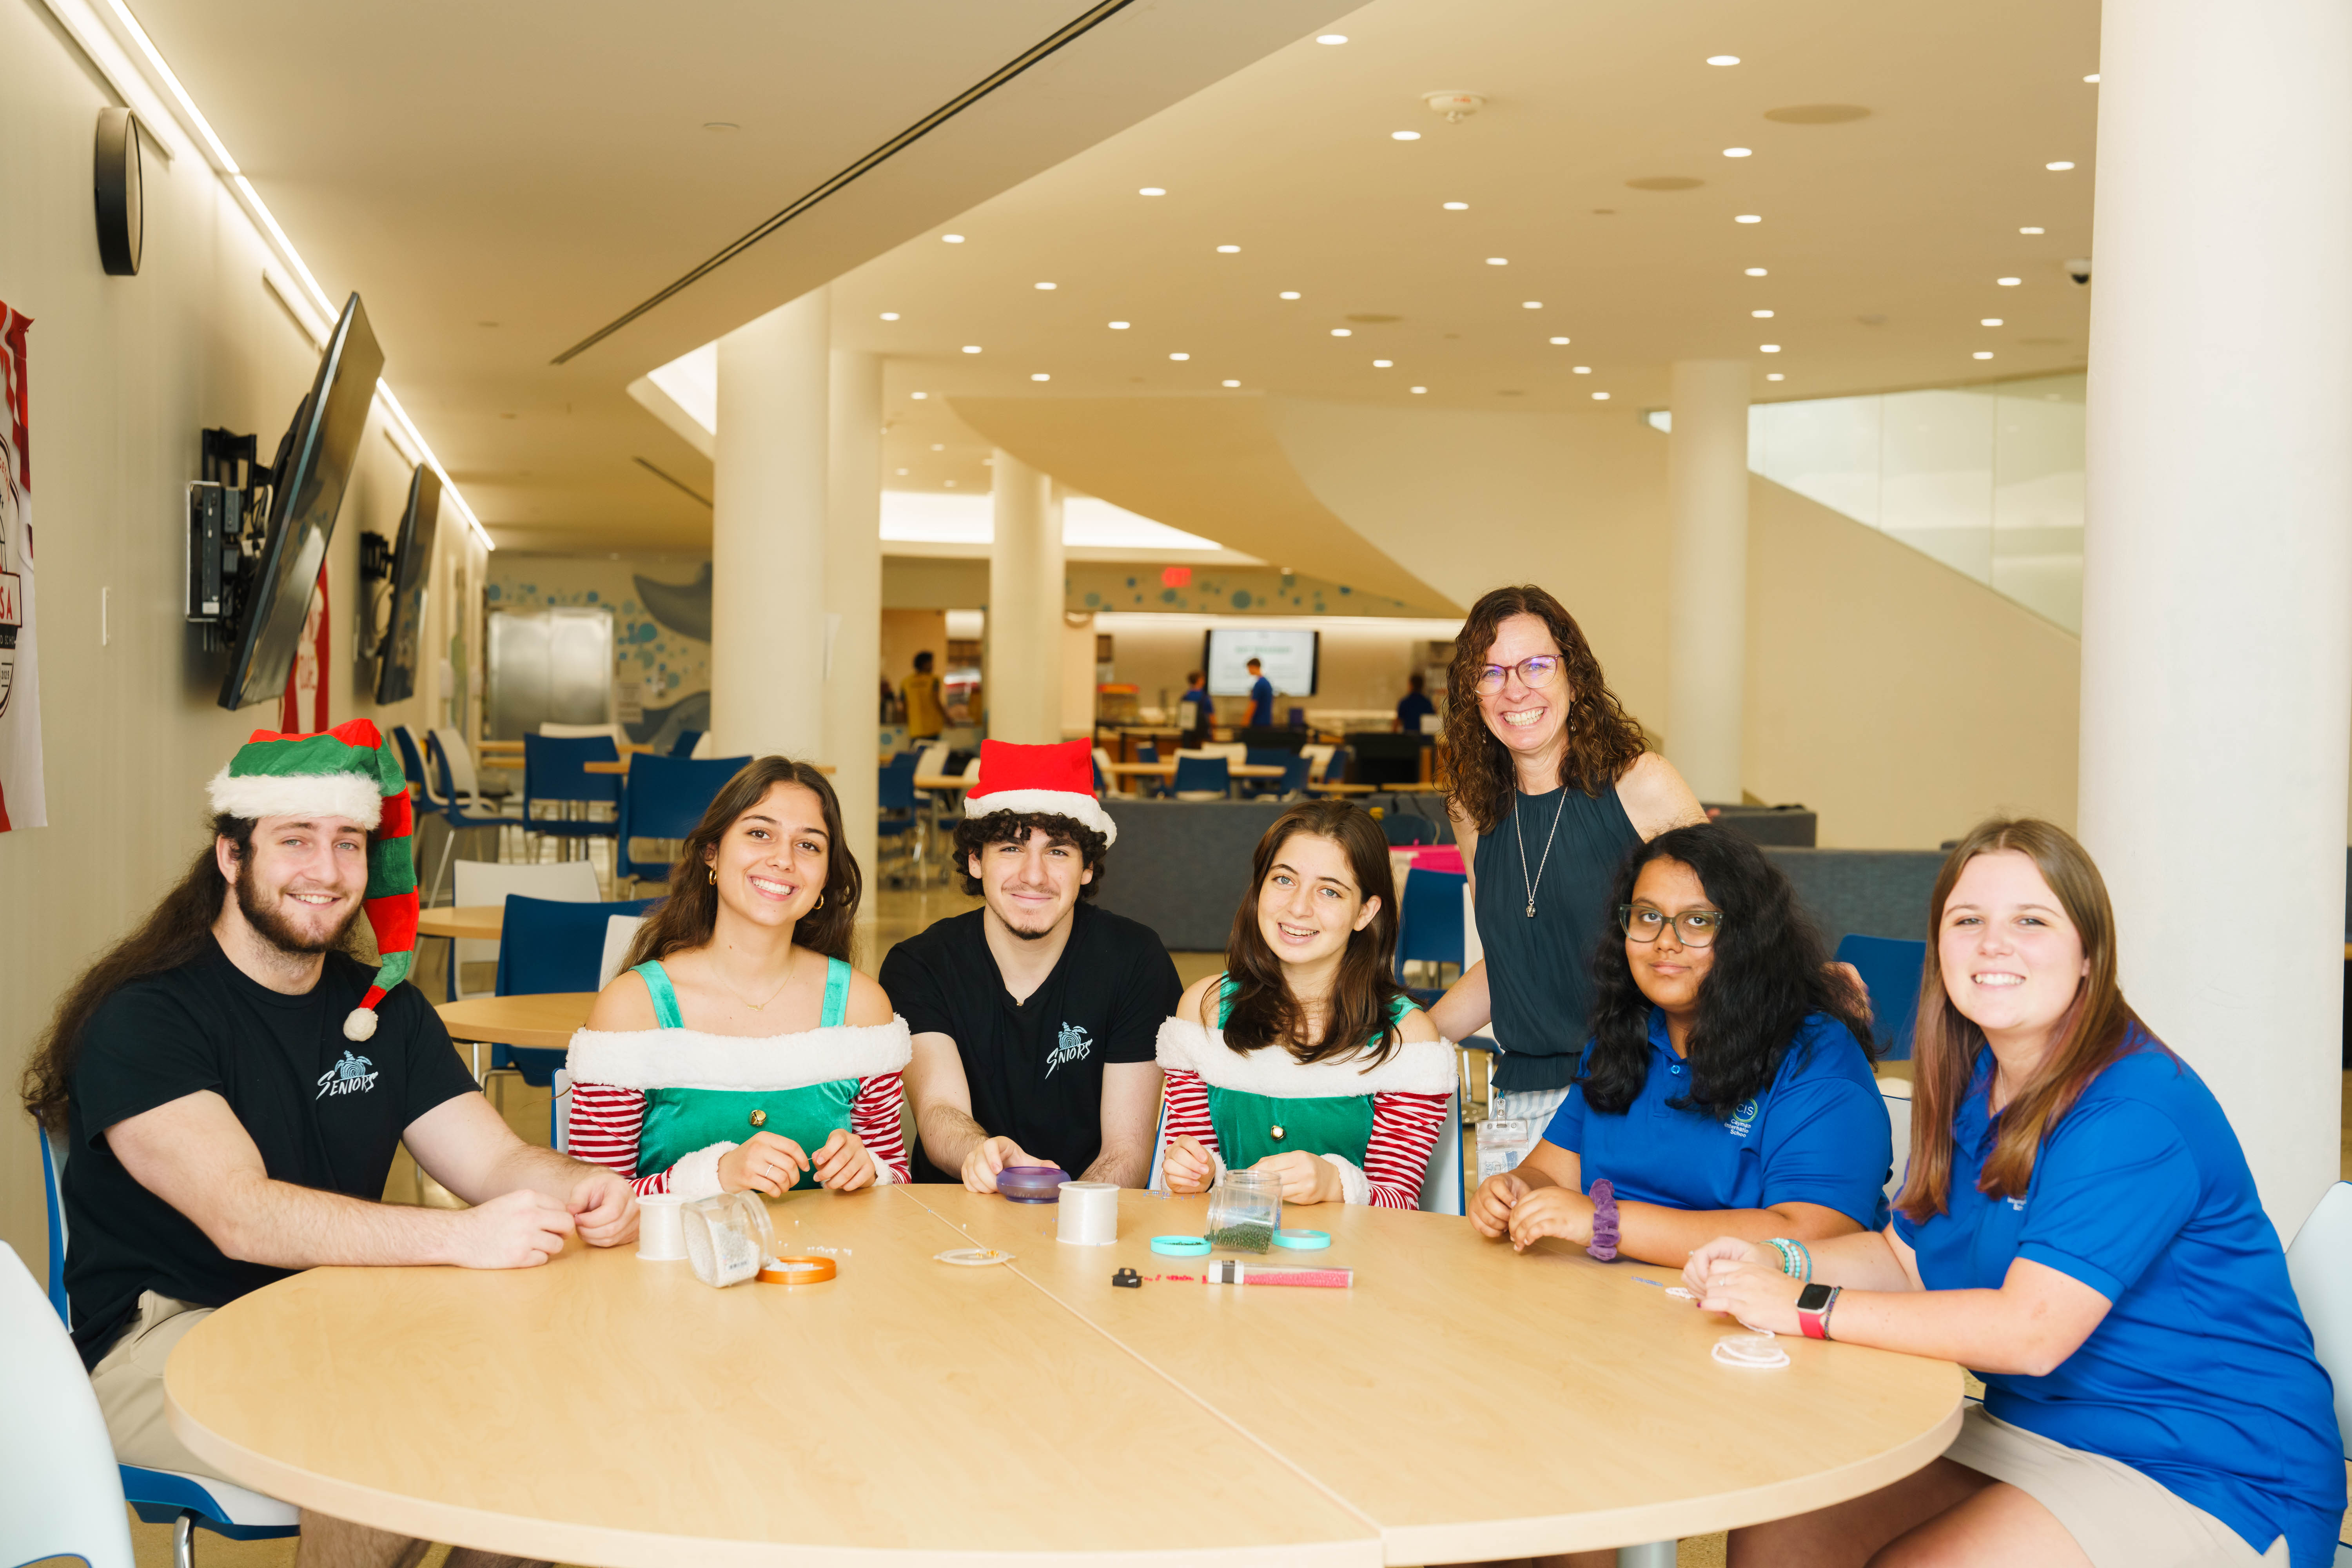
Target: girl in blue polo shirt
<point x="2078" y="1225"/>
<point x="1726" y="1089"/>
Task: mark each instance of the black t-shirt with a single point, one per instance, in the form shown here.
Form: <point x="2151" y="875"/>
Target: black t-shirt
<point x="1036" y="1068"/>
<point x="324" y="1112"/>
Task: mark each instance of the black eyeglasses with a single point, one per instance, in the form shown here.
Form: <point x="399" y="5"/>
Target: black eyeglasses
<point x="1695" y="928"/>
<point x="1539" y="671"/>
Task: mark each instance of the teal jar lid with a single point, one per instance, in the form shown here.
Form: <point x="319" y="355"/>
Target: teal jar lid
<point x="1180" y="1246"/>
<point x="1303" y="1240"/>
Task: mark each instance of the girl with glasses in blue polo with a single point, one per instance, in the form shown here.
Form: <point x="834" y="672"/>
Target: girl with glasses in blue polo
<point x="2079" y="1226"/>
<point x="1726" y="1089"/>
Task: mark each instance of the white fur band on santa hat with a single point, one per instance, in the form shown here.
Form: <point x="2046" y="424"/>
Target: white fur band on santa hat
<point x="1082" y="809"/>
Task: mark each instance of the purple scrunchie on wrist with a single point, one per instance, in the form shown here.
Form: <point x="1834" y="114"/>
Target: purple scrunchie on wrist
<point x="1603" y="1194"/>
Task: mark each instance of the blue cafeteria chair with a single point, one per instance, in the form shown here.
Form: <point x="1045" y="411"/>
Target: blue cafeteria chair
<point x="1429" y="926"/>
<point x="555" y="772"/>
<point x="548" y="944"/>
<point x="666" y="799"/>
<point x="1890" y="969"/>
<point x="1202" y="778"/>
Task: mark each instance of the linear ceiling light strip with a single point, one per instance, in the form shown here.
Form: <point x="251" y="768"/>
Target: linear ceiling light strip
<point x="1068" y="33"/>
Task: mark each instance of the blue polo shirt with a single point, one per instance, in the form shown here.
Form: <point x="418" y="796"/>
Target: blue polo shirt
<point x="2201" y="1374"/>
<point x="1818" y="1133"/>
<point x="1261" y="703"/>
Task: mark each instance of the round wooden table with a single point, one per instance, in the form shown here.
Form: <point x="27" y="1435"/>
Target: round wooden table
<point x="1460" y="1403"/>
<point x="543" y="1022"/>
<point x="464" y="922"/>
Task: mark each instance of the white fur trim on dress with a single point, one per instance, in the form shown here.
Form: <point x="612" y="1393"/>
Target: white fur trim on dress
<point x="1079" y="808"/>
<point x="1355" y="1187"/>
<point x="1415" y="1066"/>
<point x="688" y="1058"/>
<point x="257" y="795"/>
<point x="696" y="1176"/>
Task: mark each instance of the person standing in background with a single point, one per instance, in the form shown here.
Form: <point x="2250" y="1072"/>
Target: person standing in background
<point x="1261" y="698"/>
<point x="1415" y="705"/>
<point x="925" y="717"/>
<point x="1199" y="708"/>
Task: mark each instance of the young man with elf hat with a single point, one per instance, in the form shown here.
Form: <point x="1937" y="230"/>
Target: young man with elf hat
<point x="1034" y="1017"/>
<point x="232" y="1084"/>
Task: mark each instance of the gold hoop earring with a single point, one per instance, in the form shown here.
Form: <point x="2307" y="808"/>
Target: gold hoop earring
<point x="820" y="903"/>
<point x="713" y="872"/>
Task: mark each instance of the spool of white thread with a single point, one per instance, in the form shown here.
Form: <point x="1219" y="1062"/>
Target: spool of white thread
<point x="1089" y="1216"/>
<point x="661" y="1228"/>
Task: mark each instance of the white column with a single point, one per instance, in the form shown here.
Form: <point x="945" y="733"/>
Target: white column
<point x="768" y="534"/>
<point x="2217" y="593"/>
<point x="853" y="597"/>
<point x="1706" y="595"/>
<point x="1024" y="690"/>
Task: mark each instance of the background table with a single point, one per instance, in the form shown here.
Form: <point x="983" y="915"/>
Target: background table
<point x="1461" y="1401"/>
<point x="464" y="922"/>
<point x="543" y="1022"/>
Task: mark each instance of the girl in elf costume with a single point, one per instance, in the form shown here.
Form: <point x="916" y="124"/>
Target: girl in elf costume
<point x="743" y="1051"/>
<point x="1305" y="1058"/>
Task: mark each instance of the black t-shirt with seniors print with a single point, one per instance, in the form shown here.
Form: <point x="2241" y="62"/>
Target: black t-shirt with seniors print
<point x="324" y="1112"/>
<point x="1035" y="1068"/>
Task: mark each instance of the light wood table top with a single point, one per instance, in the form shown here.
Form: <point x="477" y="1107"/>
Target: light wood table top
<point x="1347" y="788"/>
<point x="468" y="922"/>
<point x="1167" y="770"/>
<point x="623" y="765"/>
<point x="942" y="781"/>
<point x="601" y="1410"/>
<point x="544" y="1022"/>
<point x="1475" y="1403"/>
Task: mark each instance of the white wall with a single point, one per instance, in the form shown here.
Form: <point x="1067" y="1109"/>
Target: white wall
<point x="124" y="372"/>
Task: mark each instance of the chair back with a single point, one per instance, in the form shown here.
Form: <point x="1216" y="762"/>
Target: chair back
<point x="1158" y="1148"/>
<point x="930" y="760"/>
<point x="1896" y="1091"/>
<point x="459" y="779"/>
<point x="412" y="762"/>
<point x="1201" y="775"/>
<point x="685" y="743"/>
<point x="1296" y="772"/>
<point x="666" y="799"/>
<point x="554" y="768"/>
<point x="897" y="784"/>
<point x="613" y="733"/>
<point x="2320" y="1266"/>
<point x="1441" y="1179"/>
<point x="1336" y="770"/>
<point x="53" y="1175"/>
<point x="1147" y="751"/>
<point x="1429" y="919"/>
<point x="1890" y="969"/>
<point x="65" y="1493"/>
<point x="620" y="932"/>
<point x="1405" y="829"/>
<point x="548" y="944"/>
<point x="704" y="745"/>
<point x="489" y="882"/>
<point x="1266" y="756"/>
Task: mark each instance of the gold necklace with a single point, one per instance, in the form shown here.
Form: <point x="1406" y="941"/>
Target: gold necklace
<point x="763" y="1006"/>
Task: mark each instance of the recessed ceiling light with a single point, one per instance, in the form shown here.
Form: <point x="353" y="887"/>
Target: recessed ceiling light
<point x="902" y="470"/>
<point x="1456" y="207"/>
<point x="1405" y="135"/>
<point x="1739" y="153"/>
<point x="2008" y="282"/>
<point x="889" y="315"/>
<point x="1776" y="376"/>
<point x="1229" y="250"/>
<point x="1599" y="397"/>
<point x="721" y="125"/>
<point x="2093" y="79"/>
<point x="1040" y="376"/>
<point x="1420" y="389"/>
<point x="939" y="447"/>
<point x="951" y="239"/>
<point x="918" y="396"/>
<point x="1118" y="326"/>
<point x="1330" y="38"/>
<point x="951" y="484"/>
<point x="1232" y="384"/>
<point x="1990" y="321"/>
<point x="1583" y="370"/>
<point x="1981" y="353"/>
<point x="1557" y="343"/>
<point x="1383" y="364"/>
<point x="1341" y="332"/>
<point x="1290" y="293"/>
<point x="2059" y="167"/>
<point x="1152" y="191"/>
<point x="1531" y="304"/>
<point x="971" y="348"/>
<point x="1767" y="348"/>
<point x="1723" y="59"/>
<point x="1749" y="217"/>
<point x="1499" y="261"/>
<point x="2033" y="230"/>
<point x="1758" y="272"/>
<point x="1761" y="315"/>
<point x="1048" y="285"/>
<point x="1180" y="356"/>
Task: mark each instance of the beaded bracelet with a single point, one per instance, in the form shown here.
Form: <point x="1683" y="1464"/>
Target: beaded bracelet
<point x="1796" y="1258"/>
<point x="1604" y="1194"/>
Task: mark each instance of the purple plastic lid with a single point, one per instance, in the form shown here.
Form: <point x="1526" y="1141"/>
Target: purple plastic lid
<point x="1032" y="1183"/>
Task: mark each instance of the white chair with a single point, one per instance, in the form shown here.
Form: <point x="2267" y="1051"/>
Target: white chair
<point x="1111" y="779"/>
<point x="554" y="731"/>
<point x="1898" y="1093"/>
<point x="620" y="931"/>
<point x="64" y="1493"/>
<point x="489" y="882"/>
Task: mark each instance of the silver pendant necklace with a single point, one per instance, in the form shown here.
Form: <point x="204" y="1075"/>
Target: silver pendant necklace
<point x="1520" y="830"/>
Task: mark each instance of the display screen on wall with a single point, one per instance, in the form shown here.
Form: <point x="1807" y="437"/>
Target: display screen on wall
<point x="1286" y="654"/>
<point x="411" y="565"/>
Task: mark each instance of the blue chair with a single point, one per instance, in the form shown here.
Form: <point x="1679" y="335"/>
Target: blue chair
<point x="547" y="944"/>
<point x="439" y="800"/>
<point x="666" y="799"/>
<point x="685" y="743"/>
<point x="1890" y="969"/>
<point x="1335" y="771"/>
<point x="1151" y="754"/>
<point x="555" y="772"/>
<point x="1405" y="830"/>
<point x="899" y="814"/>
<point x="1202" y="778"/>
<point x="1429" y="926"/>
<point x="1296" y="772"/>
<point x="185" y="1502"/>
<point x="1268" y="757"/>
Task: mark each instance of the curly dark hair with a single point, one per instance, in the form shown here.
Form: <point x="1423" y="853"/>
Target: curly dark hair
<point x="1603" y="740"/>
<point x="975" y="834"/>
<point x="689" y="912"/>
<point x="1769" y="973"/>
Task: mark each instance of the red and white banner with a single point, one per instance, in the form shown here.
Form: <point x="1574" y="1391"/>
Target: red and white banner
<point x="23" y="802"/>
<point x="302" y="710"/>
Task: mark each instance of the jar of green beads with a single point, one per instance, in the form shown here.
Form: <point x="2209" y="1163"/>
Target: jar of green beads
<point x="1245" y="1210"/>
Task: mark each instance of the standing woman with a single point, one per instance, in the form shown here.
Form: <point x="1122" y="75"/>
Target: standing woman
<point x="1551" y="786"/>
<point x="743" y="1051"/>
<point x="2079" y="1227"/>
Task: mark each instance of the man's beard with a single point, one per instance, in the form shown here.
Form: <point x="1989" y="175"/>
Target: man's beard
<point x="270" y="922"/>
<point x="1040" y="934"/>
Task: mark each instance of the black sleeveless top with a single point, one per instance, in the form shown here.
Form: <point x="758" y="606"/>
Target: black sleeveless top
<point x="1539" y="971"/>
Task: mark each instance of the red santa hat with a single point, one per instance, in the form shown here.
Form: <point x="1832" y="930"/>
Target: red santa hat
<point x="1054" y="781"/>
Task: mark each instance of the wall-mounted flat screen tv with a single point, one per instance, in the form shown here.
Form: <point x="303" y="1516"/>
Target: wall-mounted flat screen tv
<point x="313" y="470"/>
<point x="1287" y="654"/>
<point x="412" y="567"/>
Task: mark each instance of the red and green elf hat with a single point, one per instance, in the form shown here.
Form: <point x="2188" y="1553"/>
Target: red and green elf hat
<point x="347" y="772"/>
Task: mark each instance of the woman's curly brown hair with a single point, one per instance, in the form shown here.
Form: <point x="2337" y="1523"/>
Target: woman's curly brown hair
<point x="1603" y="740"/>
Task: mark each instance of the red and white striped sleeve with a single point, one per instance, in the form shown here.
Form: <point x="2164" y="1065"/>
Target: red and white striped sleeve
<point x="1404" y="1130"/>
<point x="874" y="1116"/>
<point x="606" y="1124"/>
<point x="1187" y="1110"/>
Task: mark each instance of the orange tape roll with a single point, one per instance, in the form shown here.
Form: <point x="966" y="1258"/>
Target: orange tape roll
<point x="796" y="1270"/>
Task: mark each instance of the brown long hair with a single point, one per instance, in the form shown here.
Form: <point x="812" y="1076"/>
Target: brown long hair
<point x="1603" y="740"/>
<point x="1263" y="1012"/>
<point x="688" y="916"/>
<point x="176" y="932"/>
<point x="2092" y="1034"/>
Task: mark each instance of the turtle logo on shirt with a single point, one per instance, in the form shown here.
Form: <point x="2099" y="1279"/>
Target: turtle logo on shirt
<point x="352" y="1075"/>
<point x="1743" y="1119"/>
<point x="1073" y="1046"/>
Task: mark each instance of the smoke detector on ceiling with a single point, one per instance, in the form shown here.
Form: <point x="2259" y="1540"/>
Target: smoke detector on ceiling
<point x="1454" y="105"/>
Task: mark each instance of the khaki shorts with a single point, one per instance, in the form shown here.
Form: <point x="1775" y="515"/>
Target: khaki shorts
<point x="129" y="1383"/>
<point x="2120" y="1517"/>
